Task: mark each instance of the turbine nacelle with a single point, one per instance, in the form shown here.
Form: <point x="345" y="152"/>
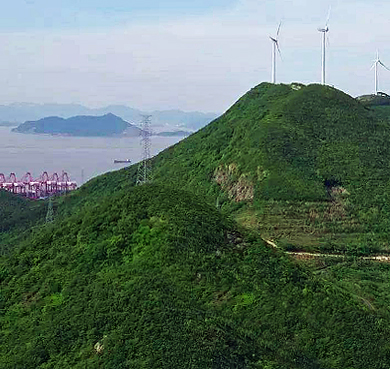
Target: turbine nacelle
<point x="326" y="29"/>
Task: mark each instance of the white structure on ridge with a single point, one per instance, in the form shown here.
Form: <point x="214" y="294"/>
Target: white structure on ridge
<point x="324" y="31"/>
<point x="275" y="46"/>
<point x="377" y="61"/>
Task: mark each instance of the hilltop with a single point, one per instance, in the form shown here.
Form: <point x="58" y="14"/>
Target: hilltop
<point x="106" y="125"/>
<point x="306" y="165"/>
<point x="303" y="165"/>
<point x="380" y="99"/>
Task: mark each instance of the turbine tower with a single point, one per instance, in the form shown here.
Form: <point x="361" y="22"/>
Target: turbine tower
<point x="377" y="62"/>
<point x="275" y="46"/>
<point x="324" y="31"/>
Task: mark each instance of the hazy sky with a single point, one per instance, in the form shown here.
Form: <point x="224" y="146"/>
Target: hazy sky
<point x="192" y="55"/>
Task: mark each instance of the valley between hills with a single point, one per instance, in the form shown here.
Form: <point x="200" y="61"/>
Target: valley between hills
<point x="199" y="268"/>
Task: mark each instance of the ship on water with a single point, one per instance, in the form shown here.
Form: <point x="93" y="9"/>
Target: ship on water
<point x="122" y="161"/>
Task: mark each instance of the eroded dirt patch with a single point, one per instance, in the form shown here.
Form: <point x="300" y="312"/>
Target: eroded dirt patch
<point x="238" y="186"/>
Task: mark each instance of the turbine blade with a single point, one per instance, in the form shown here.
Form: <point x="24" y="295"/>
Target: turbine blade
<point x="384" y="66"/>
<point x="278" y="31"/>
<point x="280" y="53"/>
<point x="373" y="66"/>
<point x="328" y="18"/>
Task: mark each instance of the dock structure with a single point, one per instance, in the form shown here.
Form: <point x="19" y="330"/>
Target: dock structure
<point x="43" y="186"/>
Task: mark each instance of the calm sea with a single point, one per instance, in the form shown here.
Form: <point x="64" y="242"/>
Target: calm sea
<point x="22" y="153"/>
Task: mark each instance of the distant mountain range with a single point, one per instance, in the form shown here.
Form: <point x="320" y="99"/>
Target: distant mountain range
<point x="8" y="124"/>
<point x="106" y="125"/>
<point x="161" y="120"/>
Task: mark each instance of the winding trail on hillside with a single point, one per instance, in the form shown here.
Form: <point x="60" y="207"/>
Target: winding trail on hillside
<point x="309" y="255"/>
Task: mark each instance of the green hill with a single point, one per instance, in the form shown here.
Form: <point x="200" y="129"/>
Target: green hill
<point x="304" y="165"/>
<point x="307" y="164"/>
<point x="381" y="99"/>
<point x="156" y="278"/>
<point x="18" y="212"/>
<point x="162" y="275"/>
<point x="17" y="216"/>
<point x="378" y="104"/>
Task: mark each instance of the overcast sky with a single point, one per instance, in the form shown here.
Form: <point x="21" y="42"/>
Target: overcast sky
<point x="187" y="54"/>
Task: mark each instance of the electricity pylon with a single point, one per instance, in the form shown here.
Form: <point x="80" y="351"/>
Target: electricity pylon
<point x="145" y="167"/>
<point x="50" y="212"/>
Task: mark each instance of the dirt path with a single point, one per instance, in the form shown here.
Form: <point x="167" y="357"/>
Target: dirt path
<point x="309" y="255"/>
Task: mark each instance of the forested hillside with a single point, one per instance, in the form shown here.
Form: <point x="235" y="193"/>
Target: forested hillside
<point x="175" y="274"/>
<point x="18" y="212"/>
<point x="156" y="278"/>
<point x="305" y="165"/>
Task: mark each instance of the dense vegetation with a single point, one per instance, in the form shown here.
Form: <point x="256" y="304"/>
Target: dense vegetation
<point x="381" y="99"/>
<point x="18" y="212"/>
<point x="163" y="276"/>
<point x="304" y="165"/>
<point x="106" y="125"/>
<point x="155" y="278"/>
<point x="293" y="144"/>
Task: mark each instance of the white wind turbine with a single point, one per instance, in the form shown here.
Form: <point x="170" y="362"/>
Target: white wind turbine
<point x="377" y="61"/>
<point x="324" y="31"/>
<point x="275" y="46"/>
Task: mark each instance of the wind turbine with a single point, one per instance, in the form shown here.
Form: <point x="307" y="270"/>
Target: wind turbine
<point x="377" y="61"/>
<point x="275" y="46"/>
<point x="324" y="31"/>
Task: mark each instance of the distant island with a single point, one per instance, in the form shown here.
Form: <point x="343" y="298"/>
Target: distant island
<point x="83" y="125"/>
<point x="8" y="124"/>
<point x="174" y="134"/>
<point x="162" y="120"/>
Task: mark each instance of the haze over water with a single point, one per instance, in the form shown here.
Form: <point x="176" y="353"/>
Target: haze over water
<point x="22" y="153"/>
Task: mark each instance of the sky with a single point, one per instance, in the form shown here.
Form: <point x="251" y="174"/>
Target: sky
<point x="175" y="54"/>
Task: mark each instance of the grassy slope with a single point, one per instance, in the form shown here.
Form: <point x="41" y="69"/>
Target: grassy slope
<point x="163" y="280"/>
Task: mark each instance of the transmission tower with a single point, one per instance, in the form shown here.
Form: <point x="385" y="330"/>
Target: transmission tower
<point x="145" y="167"/>
<point x="50" y="212"/>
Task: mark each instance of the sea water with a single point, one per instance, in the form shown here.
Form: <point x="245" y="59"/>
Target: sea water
<point x="81" y="157"/>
